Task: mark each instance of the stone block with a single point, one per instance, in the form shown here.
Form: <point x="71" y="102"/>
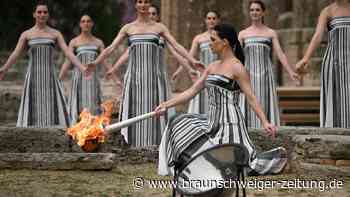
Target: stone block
<point x="57" y="161"/>
<point x="343" y="163"/>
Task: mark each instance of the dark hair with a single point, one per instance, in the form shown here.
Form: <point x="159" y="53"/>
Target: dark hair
<point x="262" y="5"/>
<point x="213" y="11"/>
<point x="228" y="32"/>
<point x="155" y="7"/>
<point x="39" y="3"/>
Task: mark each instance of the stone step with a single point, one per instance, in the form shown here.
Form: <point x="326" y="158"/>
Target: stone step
<point x="324" y="147"/>
<point x="57" y="161"/>
<point x="48" y="140"/>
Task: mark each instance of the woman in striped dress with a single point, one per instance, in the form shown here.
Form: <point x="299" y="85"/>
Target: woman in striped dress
<point x="85" y="93"/>
<point x="141" y="92"/>
<point x="335" y="70"/>
<point x="43" y="103"/>
<point x="200" y="43"/>
<point x="259" y="41"/>
<point x="224" y="124"/>
<point x="163" y="82"/>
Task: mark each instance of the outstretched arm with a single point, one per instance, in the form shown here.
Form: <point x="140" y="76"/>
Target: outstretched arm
<point x="181" y="60"/>
<point x="108" y="50"/>
<point x="186" y="95"/>
<point x="244" y="82"/>
<point x="179" y="48"/>
<point x="68" y="53"/>
<point x="66" y="65"/>
<point x="282" y="57"/>
<point x="193" y="51"/>
<point x="109" y="67"/>
<point x="14" y="55"/>
<point x="316" y="40"/>
<point x="121" y="61"/>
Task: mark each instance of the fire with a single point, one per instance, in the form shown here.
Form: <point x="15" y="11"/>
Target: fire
<point x="91" y="128"/>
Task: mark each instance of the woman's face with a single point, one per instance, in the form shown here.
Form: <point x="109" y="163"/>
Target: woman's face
<point x="41" y="14"/>
<point x="86" y="23"/>
<point x="142" y="6"/>
<point x="256" y="12"/>
<point x="153" y="14"/>
<point x="217" y="45"/>
<point x="211" y="20"/>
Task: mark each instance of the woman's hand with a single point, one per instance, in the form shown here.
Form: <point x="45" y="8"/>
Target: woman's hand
<point x="89" y="70"/>
<point x="161" y="109"/>
<point x="301" y="66"/>
<point x="270" y="130"/>
<point x="199" y="66"/>
<point x="294" y="76"/>
<point x="194" y="75"/>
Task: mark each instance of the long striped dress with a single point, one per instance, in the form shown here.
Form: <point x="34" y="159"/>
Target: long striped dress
<point x="43" y="103"/>
<point x="145" y="87"/>
<point x="224" y="124"/>
<point x="258" y="53"/>
<point x="84" y="93"/>
<point x="199" y="104"/>
<point x="335" y="75"/>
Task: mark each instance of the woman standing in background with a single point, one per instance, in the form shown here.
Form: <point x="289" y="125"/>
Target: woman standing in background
<point x="42" y="103"/>
<point x="141" y="92"/>
<point x="200" y="44"/>
<point x="259" y="41"/>
<point x="335" y="70"/>
<point x="84" y="93"/>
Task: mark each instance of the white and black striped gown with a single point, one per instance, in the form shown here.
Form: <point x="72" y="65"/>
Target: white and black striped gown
<point x="335" y="76"/>
<point x="43" y="103"/>
<point x="145" y="87"/>
<point x="84" y="93"/>
<point x="224" y="124"/>
<point x="199" y="104"/>
<point x="258" y="62"/>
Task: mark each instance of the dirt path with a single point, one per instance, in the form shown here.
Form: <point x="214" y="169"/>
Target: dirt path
<point x="119" y="183"/>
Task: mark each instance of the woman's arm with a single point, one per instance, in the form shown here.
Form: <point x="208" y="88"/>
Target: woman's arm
<point x="108" y="67"/>
<point x="14" y="55"/>
<point x="193" y="51"/>
<point x="66" y="65"/>
<point x="243" y="79"/>
<point x="121" y="61"/>
<point x="108" y="50"/>
<point x="184" y="96"/>
<point x="282" y="57"/>
<point x="179" y="48"/>
<point x="68" y="53"/>
<point x="316" y="40"/>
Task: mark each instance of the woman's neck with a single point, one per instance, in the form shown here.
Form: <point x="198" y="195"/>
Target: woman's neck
<point x="226" y="55"/>
<point x="143" y="18"/>
<point x="86" y="35"/>
<point x="257" y="24"/>
<point x="40" y="26"/>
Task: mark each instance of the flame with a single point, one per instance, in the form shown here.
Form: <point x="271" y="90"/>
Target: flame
<point x="92" y="127"/>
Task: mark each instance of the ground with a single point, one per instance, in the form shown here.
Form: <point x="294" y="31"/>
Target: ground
<point x="119" y="183"/>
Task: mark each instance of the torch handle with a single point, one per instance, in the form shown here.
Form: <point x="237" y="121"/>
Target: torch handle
<point x="130" y="121"/>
